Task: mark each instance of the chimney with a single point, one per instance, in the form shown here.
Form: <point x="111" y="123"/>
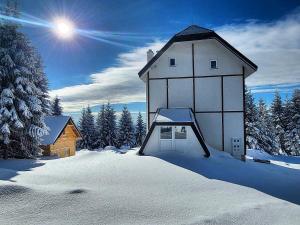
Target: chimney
<point x="150" y="55"/>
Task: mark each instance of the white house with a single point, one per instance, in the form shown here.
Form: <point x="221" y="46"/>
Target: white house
<point x="196" y="95"/>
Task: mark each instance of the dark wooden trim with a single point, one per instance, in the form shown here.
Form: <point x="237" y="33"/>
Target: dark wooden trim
<point x="173" y="123"/>
<point x="194" y="76"/>
<point x="148" y="100"/>
<point x="201" y="141"/>
<point x="191" y="124"/>
<point x="193" y="65"/>
<point x="244" y="108"/>
<point x="222" y="120"/>
<point x="167" y="93"/>
<point x="147" y="138"/>
<point x="225" y="111"/>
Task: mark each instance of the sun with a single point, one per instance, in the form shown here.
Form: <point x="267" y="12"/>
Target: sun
<point x="63" y="28"/>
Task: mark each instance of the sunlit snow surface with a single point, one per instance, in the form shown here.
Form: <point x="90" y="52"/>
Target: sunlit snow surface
<point x="111" y="188"/>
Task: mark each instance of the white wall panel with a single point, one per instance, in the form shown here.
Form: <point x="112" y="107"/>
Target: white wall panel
<point x="233" y="127"/>
<point x="181" y="93"/>
<point x="208" y="96"/>
<point x="233" y="93"/>
<point x="182" y="52"/>
<point x="206" y="50"/>
<point x="211" y="127"/>
<point x="158" y="94"/>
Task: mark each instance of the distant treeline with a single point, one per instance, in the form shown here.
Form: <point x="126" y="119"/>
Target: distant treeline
<point x="274" y="129"/>
<point x="107" y="131"/>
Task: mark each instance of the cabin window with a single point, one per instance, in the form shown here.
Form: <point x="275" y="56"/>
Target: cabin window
<point x="172" y="62"/>
<point x="213" y="64"/>
<point x="165" y="132"/>
<point x="180" y="132"/>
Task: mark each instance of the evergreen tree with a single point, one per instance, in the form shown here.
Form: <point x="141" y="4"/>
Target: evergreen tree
<point x="110" y="126"/>
<point x="125" y="129"/>
<point x="140" y="130"/>
<point x="100" y="131"/>
<point x="251" y="123"/>
<point x="87" y="129"/>
<point x="56" y="107"/>
<point x="24" y="93"/>
<point x="293" y="134"/>
<point x="267" y="140"/>
<point x="277" y="112"/>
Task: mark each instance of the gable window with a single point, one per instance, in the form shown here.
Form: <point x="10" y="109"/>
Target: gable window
<point x="213" y="64"/>
<point x="172" y="62"/>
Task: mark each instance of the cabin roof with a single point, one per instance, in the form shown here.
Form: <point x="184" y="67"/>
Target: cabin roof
<point x="56" y="125"/>
<point x="192" y="33"/>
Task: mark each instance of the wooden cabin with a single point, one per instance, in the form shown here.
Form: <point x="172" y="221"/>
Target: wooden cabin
<point x="62" y="137"/>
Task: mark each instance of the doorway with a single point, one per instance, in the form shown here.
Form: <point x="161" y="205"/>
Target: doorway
<point x="173" y="138"/>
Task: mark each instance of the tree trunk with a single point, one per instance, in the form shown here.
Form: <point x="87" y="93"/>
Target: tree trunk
<point x="5" y="155"/>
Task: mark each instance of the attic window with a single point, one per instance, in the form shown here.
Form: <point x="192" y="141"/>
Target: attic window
<point x="213" y="64"/>
<point x="172" y="62"/>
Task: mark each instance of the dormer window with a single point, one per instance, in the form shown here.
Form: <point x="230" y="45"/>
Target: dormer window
<point x="213" y="64"/>
<point x="172" y="62"/>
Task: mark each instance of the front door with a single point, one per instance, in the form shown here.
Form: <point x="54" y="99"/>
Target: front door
<point x="166" y="138"/>
<point x="180" y="139"/>
<point x="173" y="138"/>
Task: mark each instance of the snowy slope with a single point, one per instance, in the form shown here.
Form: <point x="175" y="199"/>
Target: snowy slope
<point x="110" y="188"/>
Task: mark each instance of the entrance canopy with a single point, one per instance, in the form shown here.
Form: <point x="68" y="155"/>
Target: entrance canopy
<point x="173" y="117"/>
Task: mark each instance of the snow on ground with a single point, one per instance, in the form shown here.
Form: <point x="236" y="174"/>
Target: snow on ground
<point x="110" y="188"/>
<point x="285" y="161"/>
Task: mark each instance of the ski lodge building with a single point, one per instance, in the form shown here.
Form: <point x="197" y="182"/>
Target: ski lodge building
<point x="195" y="91"/>
<point x="62" y="137"/>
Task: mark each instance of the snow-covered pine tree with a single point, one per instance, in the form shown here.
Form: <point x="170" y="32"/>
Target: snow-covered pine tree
<point x="251" y="122"/>
<point x="110" y="126"/>
<point x="56" y="107"/>
<point x="267" y="139"/>
<point x="125" y="129"/>
<point x="24" y="93"/>
<point x="140" y="130"/>
<point x="293" y="135"/>
<point x="87" y="129"/>
<point x="277" y="114"/>
<point x="100" y="131"/>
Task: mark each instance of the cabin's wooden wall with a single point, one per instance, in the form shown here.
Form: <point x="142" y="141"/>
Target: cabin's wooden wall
<point x="65" y="145"/>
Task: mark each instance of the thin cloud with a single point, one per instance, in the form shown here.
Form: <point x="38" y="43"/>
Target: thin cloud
<point x="118" y="84"/>
<point x="274" y="47"/>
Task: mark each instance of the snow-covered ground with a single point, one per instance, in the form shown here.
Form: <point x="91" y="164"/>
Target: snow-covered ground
<point x="111" y="188"/>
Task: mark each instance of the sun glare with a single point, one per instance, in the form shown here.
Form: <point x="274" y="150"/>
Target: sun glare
<point x="64" y="28"/>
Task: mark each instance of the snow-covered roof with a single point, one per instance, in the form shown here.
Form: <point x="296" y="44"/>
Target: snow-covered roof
<point x="178" y="115"/>
<point x="56" y="124"/>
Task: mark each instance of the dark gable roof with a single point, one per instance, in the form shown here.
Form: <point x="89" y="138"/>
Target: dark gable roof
<point x="192" y="33"/>
<point x="56" y="125"/>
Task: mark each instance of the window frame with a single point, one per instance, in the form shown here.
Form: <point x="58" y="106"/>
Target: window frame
<point x="185" y="132"/>
<point x="160" y="133"/>
<point x="210" y="64"/>
<point x="170" y="59"/>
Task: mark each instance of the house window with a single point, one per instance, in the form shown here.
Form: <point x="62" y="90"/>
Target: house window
<point x="172" y="62"/>
<point x="213" y="64"/>
<point x="165" y="132"/>
<point x="180" y="132"/>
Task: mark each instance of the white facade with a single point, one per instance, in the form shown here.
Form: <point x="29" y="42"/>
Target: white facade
<point x="216" y="95"/>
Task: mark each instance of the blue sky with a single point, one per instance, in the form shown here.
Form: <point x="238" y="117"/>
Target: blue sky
<point x="85" y="71"/>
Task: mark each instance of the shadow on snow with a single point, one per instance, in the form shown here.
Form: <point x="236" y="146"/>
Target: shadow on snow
<point x="274" y="180"/>
<point x="11" y="167"/>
